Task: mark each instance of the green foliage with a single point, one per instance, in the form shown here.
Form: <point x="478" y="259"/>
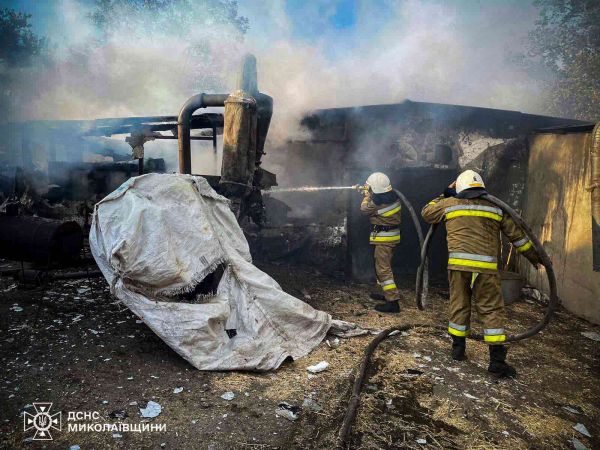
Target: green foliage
<point x="20" y="48"/>
<point x="566" y="43"/>
<point x="18" y="44"/>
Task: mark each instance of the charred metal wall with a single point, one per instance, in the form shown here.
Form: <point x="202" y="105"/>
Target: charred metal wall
<point x="558" y="208"/>
<point x="421" y="146"/>
<point x="419" y="185"/>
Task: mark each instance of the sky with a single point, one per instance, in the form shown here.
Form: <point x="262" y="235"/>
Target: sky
<point x="313" y="54"/>
<point x="310" y="54"/>
<point x="336" y="25"/>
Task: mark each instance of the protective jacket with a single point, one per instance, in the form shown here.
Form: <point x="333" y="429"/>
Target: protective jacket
<point x="385" y="220"/>
<point x="385" y="235"/>
<point x="473" y="226"/>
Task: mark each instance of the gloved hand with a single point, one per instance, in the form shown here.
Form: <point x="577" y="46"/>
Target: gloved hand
<point x="363" y="189"/>
<point x="450" y="191"/>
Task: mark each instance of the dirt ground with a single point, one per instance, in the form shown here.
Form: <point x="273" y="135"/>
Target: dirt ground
<point x="72" y="344"/>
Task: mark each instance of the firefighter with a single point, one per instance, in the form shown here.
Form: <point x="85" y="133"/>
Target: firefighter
<point x="473" y="226"/>
<point x="382" y="205"/>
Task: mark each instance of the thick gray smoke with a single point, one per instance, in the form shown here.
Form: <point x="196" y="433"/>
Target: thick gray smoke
<point x="428" y="51"/>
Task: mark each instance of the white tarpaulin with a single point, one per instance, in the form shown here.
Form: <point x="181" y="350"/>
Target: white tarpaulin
<point x="158" y="236"/>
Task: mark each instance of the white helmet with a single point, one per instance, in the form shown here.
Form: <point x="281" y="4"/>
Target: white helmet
<point x="379" y="183"/>
<point x="467" y="180"/>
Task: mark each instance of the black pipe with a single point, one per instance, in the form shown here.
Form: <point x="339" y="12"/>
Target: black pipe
<point x="417" y="225"/>
<point x="545" y="260"/>
<point x="36" y="239"/>
<point x="351" y="410"/>
<point x="183" y="125"/>
<point x="422" y="283"/>
<point x="359" y="380"/>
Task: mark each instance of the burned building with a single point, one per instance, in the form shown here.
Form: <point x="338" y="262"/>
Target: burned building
<point x="422" y="147"/>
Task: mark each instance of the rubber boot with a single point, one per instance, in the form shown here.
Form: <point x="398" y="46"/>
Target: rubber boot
<point x="498" y="365"/>
<point x="378" y="297"/>
<point x="459" y="345"/>
<point x="392" y="307"/>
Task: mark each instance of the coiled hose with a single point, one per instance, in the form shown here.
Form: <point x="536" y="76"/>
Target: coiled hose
<point x="544" y="258"/>
<point x="346" y="428"/>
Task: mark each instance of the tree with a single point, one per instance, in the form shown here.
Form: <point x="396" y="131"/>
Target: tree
<point x="18" y="44"/>
<point x="566" y="44"/>
<point x="19" y="48"/>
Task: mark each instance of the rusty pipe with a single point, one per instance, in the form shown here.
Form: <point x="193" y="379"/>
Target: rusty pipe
<point x="183" y="125"/>
<point x="594" y="189"/>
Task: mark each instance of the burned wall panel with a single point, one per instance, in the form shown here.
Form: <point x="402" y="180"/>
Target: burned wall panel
<point x="419" y="185"/>
<point x="558" y="208"/>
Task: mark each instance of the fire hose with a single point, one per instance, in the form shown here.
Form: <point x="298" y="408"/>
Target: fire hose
<point x="544" y="258"/>
<point x="421" y="286"/>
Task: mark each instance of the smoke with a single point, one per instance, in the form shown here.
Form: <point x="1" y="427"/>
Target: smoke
<point x="421" y="50"/>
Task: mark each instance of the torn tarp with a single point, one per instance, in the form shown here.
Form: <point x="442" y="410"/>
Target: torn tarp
<point x="161" y="235"/>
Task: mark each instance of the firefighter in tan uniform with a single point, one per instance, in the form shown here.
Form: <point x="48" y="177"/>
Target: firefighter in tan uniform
<point x="473" y="225"/>
<point x="382" y="205"/>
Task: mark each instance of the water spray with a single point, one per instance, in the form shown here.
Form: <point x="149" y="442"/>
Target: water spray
<point x="308" y="189"/>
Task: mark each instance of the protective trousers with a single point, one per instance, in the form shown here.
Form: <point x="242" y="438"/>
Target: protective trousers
<point x="383" y="254"/>
<point x="486" y="292"/>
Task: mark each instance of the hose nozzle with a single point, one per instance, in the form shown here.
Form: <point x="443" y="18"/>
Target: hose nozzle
<point x="362" y="188"/>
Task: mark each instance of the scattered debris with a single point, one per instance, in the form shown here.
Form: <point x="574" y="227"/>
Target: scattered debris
<point x="311" y="405"/>
<point x="177" y="390"/>
<point x="412" y="373"/>
<point x="572" y="409"/>
<point x="287" y="411"/>
<point x="118" y="414"/>
<point x="152" y="409"/>
<point x="10" y="288"/>
<point x="578" y="445"/>
<point x="531" y="293"/>
<point x="591" y="335"/>
<point x="228" y="396"/>
<point x="582" y="429"/>
<point x="334" y="343"/>
<point x="320" y="367"/>
<point x="344" y="329"/>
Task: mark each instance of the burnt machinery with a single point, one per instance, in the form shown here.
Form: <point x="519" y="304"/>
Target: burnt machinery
<point x="35" y="239"/>
<point x="246" y="121"/>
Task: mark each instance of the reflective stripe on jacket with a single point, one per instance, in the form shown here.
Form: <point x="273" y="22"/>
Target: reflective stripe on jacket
<point x="472" y="260"/>
<point x="391" y="236"/>
<point x="473" y="227"/>
<point x="387" y="215"/>
<point x="390" y="210"/>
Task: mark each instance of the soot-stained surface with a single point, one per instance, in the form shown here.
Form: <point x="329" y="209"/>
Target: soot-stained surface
<point x="74" y="345"/>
